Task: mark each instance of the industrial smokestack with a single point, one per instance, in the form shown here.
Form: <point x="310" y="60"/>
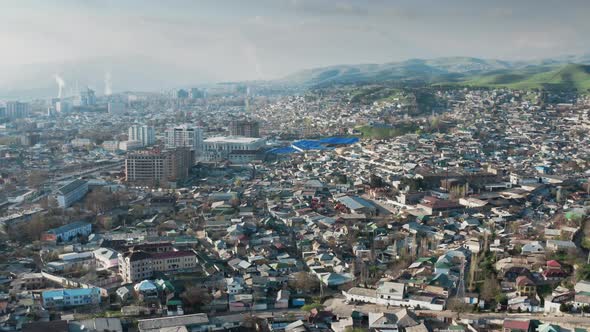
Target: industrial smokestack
<point x="107" y="84"/>
<point x="60" y="85"/>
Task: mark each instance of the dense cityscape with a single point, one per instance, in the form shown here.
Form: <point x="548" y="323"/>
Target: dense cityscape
<point x="450" y="194"/>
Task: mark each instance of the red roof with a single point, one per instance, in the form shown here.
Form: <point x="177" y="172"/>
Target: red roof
<point x="517" y="324"/>
<point x="172" y="254"/>
<point x="524" y="281"/>
<point x="553" y="263"/>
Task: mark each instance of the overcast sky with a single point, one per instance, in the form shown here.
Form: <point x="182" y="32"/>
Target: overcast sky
<point x="261" y="39"/>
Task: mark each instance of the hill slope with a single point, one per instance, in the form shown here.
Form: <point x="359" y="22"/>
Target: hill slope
<point x="570" y="76"/>
<point x="558" y="73"/>
<point x="432" y="70"/>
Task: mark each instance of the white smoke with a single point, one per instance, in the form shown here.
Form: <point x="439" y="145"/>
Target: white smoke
<point x="108" y="90"/>
<point x="60" y="85"/>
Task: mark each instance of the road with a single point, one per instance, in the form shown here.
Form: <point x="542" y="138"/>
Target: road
<point x="339" y="307"/>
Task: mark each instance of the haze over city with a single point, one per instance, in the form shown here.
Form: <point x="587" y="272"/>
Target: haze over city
<point x="210" y="41"/>
<point x="294" y="166"/>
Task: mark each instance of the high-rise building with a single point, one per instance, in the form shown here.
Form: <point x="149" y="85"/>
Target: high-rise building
<point x="244" y="128"/>
<point x="144" y="134"/>
<point x="196" y="93"/>
<point x="17" y="110"/>
<point x="158" y="168"/>
<point x="87" y="97"/>
<point x="181" y="94"/>
<point x="185" y="136"/>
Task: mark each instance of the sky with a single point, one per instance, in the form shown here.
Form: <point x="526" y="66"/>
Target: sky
<point x="221" y="40"/>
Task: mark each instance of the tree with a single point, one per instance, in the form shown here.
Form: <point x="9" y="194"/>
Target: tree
<point x="311" y="306"/>
<point x="195" y="297"/>
<point x="376" y="181"/>
<point x="305" y="282"/>
<point x="458" y="306"/>
<point x="490" y="289"/>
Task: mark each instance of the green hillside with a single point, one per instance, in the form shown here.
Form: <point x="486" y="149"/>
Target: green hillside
<point x="565" y="77"/>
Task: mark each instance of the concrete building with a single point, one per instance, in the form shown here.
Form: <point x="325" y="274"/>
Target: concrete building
<point x="185" y="136"/>
<point x="158" y="167"/>
<point x="244" y="128"/>
<point x="71" y="193"/>
<point x="110" y="146"/>
<point x="29" y="139"/>
<point x="144" y="134"/>
<point x="17" y="110"/>
<point x="135" y="266"/>
<point x="81" y="142"/>
<point x="68" y="232"/>
<point x="232" y="148"/>
<point x="75" y="297"/>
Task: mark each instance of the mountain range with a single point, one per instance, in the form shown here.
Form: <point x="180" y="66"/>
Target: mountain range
<point x="145" y="74"/>
<point x="564" y="72"/>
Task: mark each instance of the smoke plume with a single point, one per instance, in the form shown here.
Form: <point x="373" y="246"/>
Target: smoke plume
<point x="60" y="85"/>
<point x="108" y="90"/>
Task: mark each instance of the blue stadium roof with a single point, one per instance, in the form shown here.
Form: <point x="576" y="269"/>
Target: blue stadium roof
<point x="339" y="140"/>
<point x="321" y="144"/>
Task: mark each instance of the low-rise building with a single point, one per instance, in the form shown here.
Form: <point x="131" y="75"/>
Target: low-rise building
<point x="71" y="193"/>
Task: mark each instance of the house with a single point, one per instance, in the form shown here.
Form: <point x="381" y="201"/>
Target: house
<point x="64" y="298"/>
<point x="71" y="193"/>
<point x="534" y="247"/>
<point x="96" y="325"/>
<point x="525" y="286"/>
<point x="193" y="322"/>
<point x="69" y="232"/>
<point x="555" y="245"/>
<point x="517" y="326"/>
<point x="553" y="271"/>
<point x="391" y="291"/>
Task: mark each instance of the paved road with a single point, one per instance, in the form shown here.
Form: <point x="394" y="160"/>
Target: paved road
<point x="339" y="307"/>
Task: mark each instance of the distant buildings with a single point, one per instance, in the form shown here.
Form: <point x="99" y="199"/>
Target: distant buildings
<point x="87" y="98"/>
<point x="158" y="167"/>
<point x="182" y="94"/>
<point x="17" y="110"/>
<point x="75" y="297"/>
<point x="116" y="107"/>
<point x="111" y="146"/>
<point x="71" y="193"/>
<point x="232" y="148"/>
<point x="196" y="93"/>
<point x="29" y="139"/>
<point x="81" y="142"/>
<point x="144" y="134"/>
<point x="185" y="136"/>
<point x="244" y="128"/>
<point x="67" y="233"/>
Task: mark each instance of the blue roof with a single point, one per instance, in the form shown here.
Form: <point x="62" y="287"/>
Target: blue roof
<point x="68" y="227"/>
<point x="304" y="145"/>
<point x="339" y="140"/>
<point x="355" y="202"/>
<point x="283" y="150"/>
<point x="308" y="145"/>
<point x="70" y="292"/>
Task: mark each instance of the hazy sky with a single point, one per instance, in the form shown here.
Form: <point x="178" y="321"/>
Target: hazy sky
<point x="260" y="39"/>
